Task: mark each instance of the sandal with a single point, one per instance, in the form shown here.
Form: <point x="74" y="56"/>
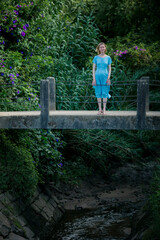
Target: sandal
<point x="99" y="112"/>
<point x="104" y="113"/>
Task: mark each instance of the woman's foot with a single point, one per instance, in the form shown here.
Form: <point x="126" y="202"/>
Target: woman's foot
<point x="99" y="112"/>
<point x="104" y="112"/>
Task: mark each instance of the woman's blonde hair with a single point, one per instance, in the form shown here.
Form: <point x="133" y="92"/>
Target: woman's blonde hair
<point x="97" y="48"/>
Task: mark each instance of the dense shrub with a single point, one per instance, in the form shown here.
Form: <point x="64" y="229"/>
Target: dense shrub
<point x="17" y="171"/>
<point x="32" y="51"/>
<point x="118" y="18"/>
<point x="153" y="207"/>
<point x="45" y="147"/>
<point x="105" y="150"/>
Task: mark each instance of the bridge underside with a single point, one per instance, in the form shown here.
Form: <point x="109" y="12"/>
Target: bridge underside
<point x="79" y="120"/>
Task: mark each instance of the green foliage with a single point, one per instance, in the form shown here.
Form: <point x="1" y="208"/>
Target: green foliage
<point x="153" y="206"/>
<point x="17" y="171"/>
<point x="50" y="34"/>
<point x="117" y="18"/>
<point x="73" y="171"/>
<point x="45" y="147"/>
<point x="21" y="169"/>
<point x="104" y="150"/>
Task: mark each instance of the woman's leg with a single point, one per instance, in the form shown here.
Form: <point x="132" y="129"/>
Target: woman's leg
<point x="99" y="105"/>
<point x="104" y="105"/>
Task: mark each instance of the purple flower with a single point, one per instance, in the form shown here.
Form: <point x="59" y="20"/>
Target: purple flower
<point x="125" y="52"/>
<point x="38" y="66"/>
<point x="18" y="6"/>
<point x="10" y="74"/>
<point x="18" y="92"/>
<point x="29" y="98"/>
<point x="136" y="47"/>
<point x="31" y="54"/>
<point x="23" y="34"/>
<point x="31" y="3"/>
<point x="13" y="82"/>
<point x="3" y="42"/>
<point x="38" y="28"/>
<point x="142" y="49"/>
<point x="22" y="52"/>
<point x="39" y="105"/>
<point x="17" y="40"/>
<point x="2" y="74"/>
<point x="60" y="164"/>
<point x="14" y="25"/>
<point x="10" y="67"/>
<point x="16" y="12"/>
<point x="27" y="25"/>
<point x="24" y="27"/>
<point x="57" y="140"/>
<point x="17" y="74"/>
<point x="14" y="21"/>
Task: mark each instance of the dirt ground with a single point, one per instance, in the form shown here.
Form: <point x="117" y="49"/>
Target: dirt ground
<point x="94" y="191"/>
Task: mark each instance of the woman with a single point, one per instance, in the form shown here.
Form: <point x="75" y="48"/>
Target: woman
<point x="101" y="77"/>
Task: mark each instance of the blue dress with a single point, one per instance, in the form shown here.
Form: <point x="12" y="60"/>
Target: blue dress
<point x="101" y="76"/>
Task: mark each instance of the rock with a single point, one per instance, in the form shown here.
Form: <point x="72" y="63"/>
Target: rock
<point x="4" y="230"/>
<point x="18" y="230"/>
<point x="67" y="193"/>
<point x="40" y="202"/>
<point x="29" y="233"/>
<point x="127" y="231"/>
<point x="5" y="226"/>
<point x="1" y="206"/>
<point x="13" y="236"/>
<point x="21" y="220"/>
<point x="10" y="197"/>
<point x="1" y="238"/>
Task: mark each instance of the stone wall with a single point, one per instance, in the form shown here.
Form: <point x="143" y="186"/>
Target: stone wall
<point x="29" y="219"/>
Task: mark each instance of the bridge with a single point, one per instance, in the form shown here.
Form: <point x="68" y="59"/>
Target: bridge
<point x="50" y="118"/>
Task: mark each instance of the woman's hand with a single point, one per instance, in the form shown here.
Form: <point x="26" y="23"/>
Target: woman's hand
<point x="108" y="82"/>
<point x="94" y="83"/>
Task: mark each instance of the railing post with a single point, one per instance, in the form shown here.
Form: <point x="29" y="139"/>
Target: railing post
<point x="147" y="92"/>
<point x="52" y="93"/>
<point x="142" y="101"/>
<point x="44" y="101"/>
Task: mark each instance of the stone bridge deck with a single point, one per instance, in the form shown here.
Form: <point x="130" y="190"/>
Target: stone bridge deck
<point x="79" y="120"/>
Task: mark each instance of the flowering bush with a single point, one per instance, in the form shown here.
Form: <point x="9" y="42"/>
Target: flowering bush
<point x="45" y="147"/>
<point x="32" y="44"/>
<point x="135" y="57"/>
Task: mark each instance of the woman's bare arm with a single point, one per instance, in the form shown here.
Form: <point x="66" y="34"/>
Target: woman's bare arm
<point x="109" y="74"/>
<point x="109" y="71"/>
<point x="94" y="79"/>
